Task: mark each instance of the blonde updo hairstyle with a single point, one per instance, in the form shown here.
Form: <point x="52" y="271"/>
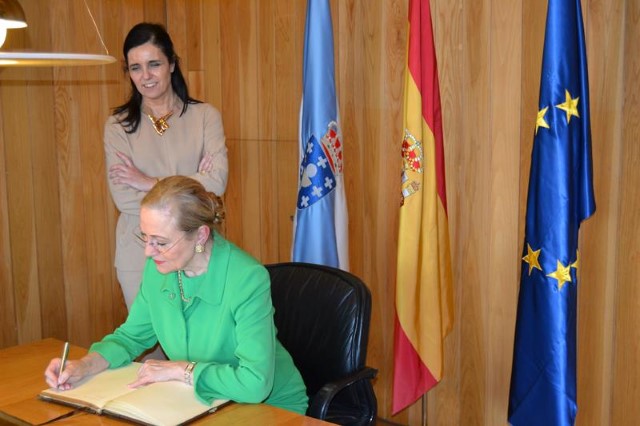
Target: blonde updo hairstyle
<point x="188" y="202"/>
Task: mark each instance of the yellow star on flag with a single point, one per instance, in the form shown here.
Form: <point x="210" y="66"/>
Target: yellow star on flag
<point x="562" y="274"/>
<point x="570" y="106"/>
<point x="540" y="121"/>
<point x="532" y="258"/>
<point x="575" y="264"/>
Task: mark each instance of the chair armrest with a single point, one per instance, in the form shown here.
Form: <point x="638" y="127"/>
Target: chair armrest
<point x="319" y="405"/>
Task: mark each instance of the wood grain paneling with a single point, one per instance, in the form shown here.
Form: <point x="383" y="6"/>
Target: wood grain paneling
<point x="444" y="403"/>
<point x="245" y="57"/>
<point x="596" y="299"/>
<point x="625" y="256"/>
<point x="505" y="88"/>
<point x="8" y="329"/>
<point x="21" y="213"/>
<point x="474" y="230"/>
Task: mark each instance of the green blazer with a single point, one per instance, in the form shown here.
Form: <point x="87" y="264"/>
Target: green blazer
<point x="227" y="328"/>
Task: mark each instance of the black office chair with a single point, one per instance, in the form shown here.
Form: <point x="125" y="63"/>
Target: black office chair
<point x="322" y="316"/>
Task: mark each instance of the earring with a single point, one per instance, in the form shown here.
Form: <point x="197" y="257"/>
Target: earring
<point x="199" y="248"/>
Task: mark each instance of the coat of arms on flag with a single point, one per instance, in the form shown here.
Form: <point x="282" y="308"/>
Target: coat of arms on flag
<point x="321" y="164"/>
<point x="412" y="161"/>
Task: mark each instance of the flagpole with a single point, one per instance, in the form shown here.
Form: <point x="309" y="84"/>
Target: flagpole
<point x="424" y="409"/>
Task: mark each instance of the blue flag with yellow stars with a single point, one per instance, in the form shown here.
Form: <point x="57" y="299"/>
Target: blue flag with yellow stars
<point x="543" y="378"/>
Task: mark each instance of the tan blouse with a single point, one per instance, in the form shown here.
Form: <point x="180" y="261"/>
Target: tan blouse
<point x="177" y="152"/>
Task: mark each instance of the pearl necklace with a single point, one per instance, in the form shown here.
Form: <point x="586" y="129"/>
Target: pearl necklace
<point x="182" y="296"/>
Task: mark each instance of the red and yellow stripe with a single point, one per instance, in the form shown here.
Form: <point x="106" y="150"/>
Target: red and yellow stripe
<point x="424" y="296"/>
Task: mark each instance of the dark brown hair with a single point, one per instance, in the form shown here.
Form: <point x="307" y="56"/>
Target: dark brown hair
<point x="157" y="35"/>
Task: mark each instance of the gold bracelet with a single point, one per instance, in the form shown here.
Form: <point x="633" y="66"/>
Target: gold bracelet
<point x="188" y="372"/>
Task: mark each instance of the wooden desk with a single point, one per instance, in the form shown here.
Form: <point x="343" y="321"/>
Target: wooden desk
<point x="22" y="379"/>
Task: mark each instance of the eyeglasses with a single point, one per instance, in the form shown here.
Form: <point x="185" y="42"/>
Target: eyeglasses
<point x="161" y="246"/>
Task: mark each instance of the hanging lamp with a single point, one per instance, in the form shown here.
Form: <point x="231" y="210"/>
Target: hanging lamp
<point x="12" y="16"/>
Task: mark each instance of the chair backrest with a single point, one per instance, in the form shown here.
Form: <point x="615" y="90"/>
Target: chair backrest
<point x="322" y="315"/>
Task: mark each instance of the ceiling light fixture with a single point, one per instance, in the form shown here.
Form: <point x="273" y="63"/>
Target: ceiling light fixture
<point x="12" y="16"/>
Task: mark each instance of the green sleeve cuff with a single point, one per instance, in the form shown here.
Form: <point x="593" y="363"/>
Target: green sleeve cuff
<point x="115" y="355"/>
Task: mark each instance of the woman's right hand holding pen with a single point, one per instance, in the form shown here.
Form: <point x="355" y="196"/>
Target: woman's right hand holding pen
<point x="74" y="370"/>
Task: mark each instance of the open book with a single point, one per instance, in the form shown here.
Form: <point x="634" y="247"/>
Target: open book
<point x="161" y="403"/>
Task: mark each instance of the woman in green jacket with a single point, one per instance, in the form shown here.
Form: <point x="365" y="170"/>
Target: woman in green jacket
<point x="205" y="301"/>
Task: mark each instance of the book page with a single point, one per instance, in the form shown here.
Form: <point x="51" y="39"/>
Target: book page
<point x="160" y="403"/>
<point x="95" y="391"/>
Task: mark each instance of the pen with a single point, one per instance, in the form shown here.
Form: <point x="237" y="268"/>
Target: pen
<point x="65" y="354"/>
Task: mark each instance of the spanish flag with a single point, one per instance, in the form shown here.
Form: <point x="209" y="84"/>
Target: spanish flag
<point x="424" y="299"/>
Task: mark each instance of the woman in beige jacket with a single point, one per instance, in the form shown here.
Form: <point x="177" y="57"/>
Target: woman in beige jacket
<point x="160" y="131"/>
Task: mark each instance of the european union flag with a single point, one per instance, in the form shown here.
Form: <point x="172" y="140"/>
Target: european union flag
<point x="320" y="226"/>
<point x="543" y="379"/>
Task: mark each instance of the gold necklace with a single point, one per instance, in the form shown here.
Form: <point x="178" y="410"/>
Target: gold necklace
<point x="184" y="299"/>
<point x="160" y="124"/>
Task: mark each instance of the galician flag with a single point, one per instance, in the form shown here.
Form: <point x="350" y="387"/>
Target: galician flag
<point x="560" y="197"/>
<point x="424" y="298"/>
<point x="320" y="233"/>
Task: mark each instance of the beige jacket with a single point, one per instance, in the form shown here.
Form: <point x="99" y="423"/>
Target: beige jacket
<point x="177" y="152"/>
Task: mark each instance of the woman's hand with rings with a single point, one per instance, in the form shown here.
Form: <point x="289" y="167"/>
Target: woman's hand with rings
<point x="206" y="163"/>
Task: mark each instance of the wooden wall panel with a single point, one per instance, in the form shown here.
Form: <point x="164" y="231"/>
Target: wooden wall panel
<point x="21" y="213"/>
<point x="625" y="385"/>
<point x="370" y="93"/>
<point x="44" y="174"/>
<point x="265" y="148"/>
<point x="444" y="405"/>
<point x="95" y="192"/>
<point x="211" y="51"/>
<point x="76" y="132"/>
<point x="372" y="139"/>
<point x="287" y="51"/>
<point x="47" y="211"/>
<point x="504" y="260"/>
<point x="245" y="57"/>
<point x="285" y="190"/>
<point x="473" y="190"/>
<point x="230" y="105"/>
<point x="74" y="223"/>
<point x="151" y="10"/>
<point x="113" y="92"/>
<point x="248" y="91"/>
<point x="8" y="329"/>
<point x="596" y="299"/>
<point x="177" y="25"/>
